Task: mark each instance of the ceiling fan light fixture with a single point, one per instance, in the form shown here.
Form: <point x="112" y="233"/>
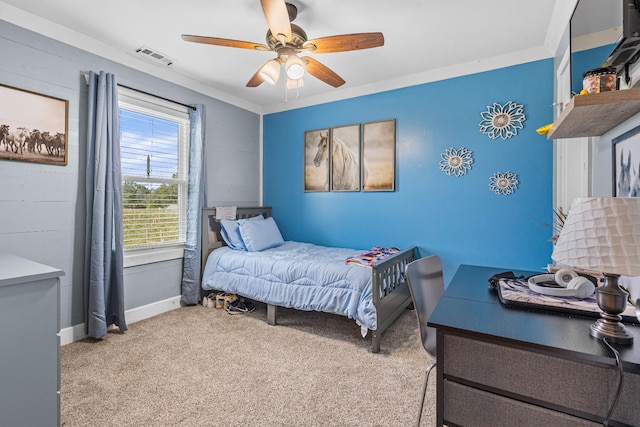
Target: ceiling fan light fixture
<point x="295" y="67"/>
<point x="270" y="72"/>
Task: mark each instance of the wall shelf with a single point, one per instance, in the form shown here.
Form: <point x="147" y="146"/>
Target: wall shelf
<point x="595" y="114"/>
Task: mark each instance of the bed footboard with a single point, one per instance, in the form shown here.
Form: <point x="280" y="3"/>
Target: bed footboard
<point x="391" y="293"/>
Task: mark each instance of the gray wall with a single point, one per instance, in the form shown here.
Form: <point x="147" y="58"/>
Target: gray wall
<point x="42" y="206"/>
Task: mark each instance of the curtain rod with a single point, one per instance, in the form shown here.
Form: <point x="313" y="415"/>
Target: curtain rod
<point x="159" y="97"/>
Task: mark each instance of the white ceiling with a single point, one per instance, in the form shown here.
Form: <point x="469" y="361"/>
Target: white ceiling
<point x="424" y="40"/>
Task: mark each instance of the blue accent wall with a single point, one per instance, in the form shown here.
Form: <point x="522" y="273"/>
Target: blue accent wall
<point x="457" y="218"/>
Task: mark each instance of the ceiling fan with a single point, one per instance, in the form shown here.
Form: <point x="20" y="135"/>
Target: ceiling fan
<point x="288" y="40"/>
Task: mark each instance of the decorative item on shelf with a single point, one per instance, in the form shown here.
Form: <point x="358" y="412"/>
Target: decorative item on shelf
<point x="599" y="80"/>
<point x="456" y="162"/>
<point x="601" y="233"/>
<point x="543" y="130"/>
<point x="503" y="183"/>
<point x="502" y="121"/>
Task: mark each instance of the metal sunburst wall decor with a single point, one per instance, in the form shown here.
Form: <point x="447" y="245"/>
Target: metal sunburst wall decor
<point x="503" y="183"/>
<point x="502" y="121"/>
<point x="456" y="162"/>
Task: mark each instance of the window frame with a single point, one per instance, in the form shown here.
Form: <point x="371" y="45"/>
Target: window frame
<point x="150" y="105"/>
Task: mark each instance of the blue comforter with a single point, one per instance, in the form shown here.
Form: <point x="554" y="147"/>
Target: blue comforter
<point x="296" y="275"/>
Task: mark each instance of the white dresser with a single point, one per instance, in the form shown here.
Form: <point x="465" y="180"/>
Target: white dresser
<point x="29" y="343"/>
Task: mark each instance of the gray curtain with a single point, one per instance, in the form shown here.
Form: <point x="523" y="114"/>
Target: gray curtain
<point x="103" y="276"/>
<point x="195" y="202"/>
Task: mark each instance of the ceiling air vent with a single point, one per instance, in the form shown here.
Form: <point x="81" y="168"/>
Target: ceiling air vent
<point x="154" y="56"/>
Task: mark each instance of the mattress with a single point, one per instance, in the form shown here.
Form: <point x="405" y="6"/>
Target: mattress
<point x="296" y="275"/>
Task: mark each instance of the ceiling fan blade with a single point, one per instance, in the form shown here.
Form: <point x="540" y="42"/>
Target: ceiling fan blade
<point x="344" y="43"/>
<point x="322" y="72"/>
<point x="277" y="16"/>
<point x="224" y="42"/>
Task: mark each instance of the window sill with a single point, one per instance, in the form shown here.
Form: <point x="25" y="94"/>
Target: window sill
<point x="133" y="258"/>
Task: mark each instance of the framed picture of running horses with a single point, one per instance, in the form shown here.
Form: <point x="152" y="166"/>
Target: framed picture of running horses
<point x="379" y="155"/>
<point x="316" y="160"/>
<point x="33" y="127"/>
<point x="626" y="164"/>
<point x="345" y="158"/>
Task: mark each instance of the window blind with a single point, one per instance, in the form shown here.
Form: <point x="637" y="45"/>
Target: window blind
<point x="153" y="150"/>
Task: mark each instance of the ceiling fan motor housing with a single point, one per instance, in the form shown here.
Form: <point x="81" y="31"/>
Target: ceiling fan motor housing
<point x="298" y="37"/>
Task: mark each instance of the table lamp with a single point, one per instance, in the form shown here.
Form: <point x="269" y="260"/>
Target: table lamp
<point x="603" y="234"/>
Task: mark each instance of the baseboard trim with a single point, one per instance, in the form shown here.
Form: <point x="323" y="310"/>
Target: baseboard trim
<point x="77" y="332"/>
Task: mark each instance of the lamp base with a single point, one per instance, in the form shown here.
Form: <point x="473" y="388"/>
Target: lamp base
<point x="609" y="327"/>
<point x="612" y="300"/>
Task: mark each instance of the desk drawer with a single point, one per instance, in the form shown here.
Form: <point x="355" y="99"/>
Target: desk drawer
<point x="552" y="381"/>
<point x="467" y="406"/>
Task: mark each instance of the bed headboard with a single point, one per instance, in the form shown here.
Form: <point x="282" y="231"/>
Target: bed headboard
<point x="211" y="237"/>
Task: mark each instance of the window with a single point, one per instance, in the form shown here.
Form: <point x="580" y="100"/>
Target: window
<point x="154" y="137"/>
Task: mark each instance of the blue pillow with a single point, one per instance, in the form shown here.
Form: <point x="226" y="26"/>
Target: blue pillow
<point x="230" y="232"/>
<point x="260" y="235"/>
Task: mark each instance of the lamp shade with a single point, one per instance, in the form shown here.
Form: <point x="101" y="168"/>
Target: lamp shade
<point x="295" y="68"/>
<point x="270" y="71"/>
<point x="601" y="234"/>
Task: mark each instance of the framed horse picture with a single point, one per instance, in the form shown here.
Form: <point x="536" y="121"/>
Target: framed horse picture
<point x="626" y="164"/>
<point x="379" y="155"/>
<point x="345" y="158"/>
<point x="33" y="127"/>
<point x="316" y="160"/>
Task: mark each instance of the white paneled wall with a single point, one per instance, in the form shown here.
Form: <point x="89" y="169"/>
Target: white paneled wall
<point x="572" y="157"/>
<point x="572" y="169"/>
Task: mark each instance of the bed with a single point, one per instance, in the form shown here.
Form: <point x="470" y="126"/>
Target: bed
<point x="303" y="276"/>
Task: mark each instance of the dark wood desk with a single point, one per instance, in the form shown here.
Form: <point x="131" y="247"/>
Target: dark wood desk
<point x="506" y="366"/>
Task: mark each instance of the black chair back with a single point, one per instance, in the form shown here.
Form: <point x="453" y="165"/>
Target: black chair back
<point x="426" y="284"/>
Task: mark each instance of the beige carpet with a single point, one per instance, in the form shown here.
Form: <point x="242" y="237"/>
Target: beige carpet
<point x="204" y="367"/>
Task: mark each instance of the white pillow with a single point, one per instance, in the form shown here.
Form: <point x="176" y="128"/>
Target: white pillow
<point x="260" y="235"/>
<point x="230" y="232"/>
